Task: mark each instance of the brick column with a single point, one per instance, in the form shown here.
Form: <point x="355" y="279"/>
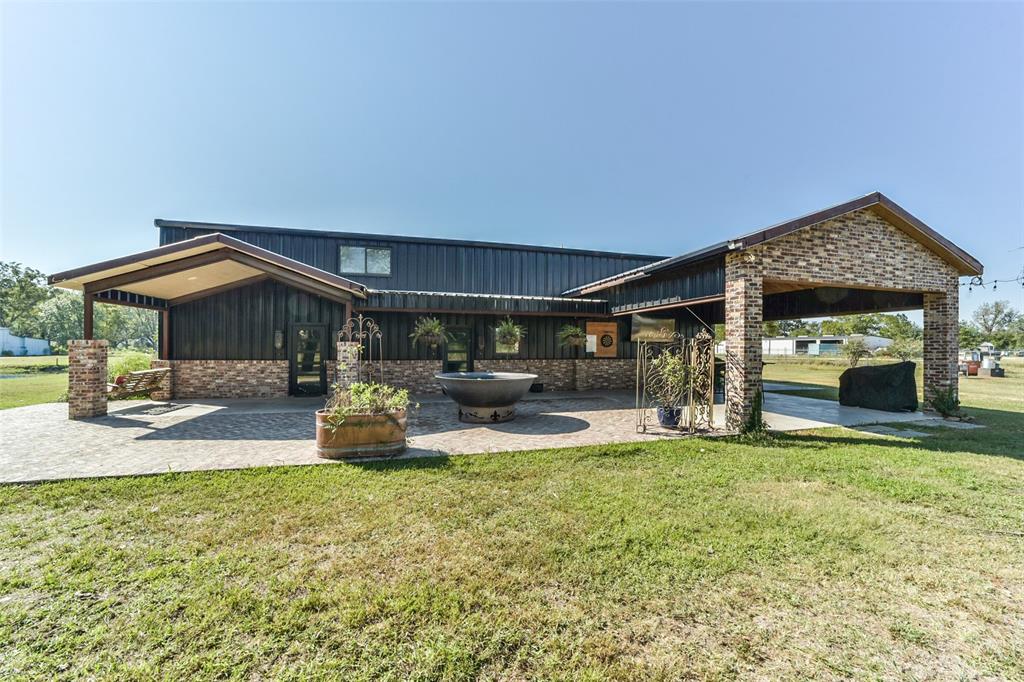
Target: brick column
<point x="941" y="318"/>
<point x="744" y="299"/>
<point x="347" y="372"/>
<point x="87" y="379"/>
<point x="166" y="389"/>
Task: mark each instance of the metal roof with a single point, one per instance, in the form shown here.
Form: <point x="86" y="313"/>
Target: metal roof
<point x="226" y="227"/>
<point x="965" y="263"/>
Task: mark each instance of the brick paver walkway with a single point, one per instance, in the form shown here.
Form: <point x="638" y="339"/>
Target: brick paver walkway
<point x="141" y="437"/>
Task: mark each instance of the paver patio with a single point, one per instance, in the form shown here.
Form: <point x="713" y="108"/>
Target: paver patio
<point x="144" y="437"/>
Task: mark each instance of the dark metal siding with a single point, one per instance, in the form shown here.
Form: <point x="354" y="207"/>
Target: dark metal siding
<point x="695" y="281"/>
<point x="541" y="341"/>
<point x="425" y="302"/>
<point x="417" y="266"/>
<point x="240" y="324"/>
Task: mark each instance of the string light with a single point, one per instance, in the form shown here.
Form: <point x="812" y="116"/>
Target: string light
<point x="978" y="281"/>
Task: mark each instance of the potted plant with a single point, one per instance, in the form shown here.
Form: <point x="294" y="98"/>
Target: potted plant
<point x="429" y="331"/>
<point x="508" y="334"/>
<point x="670" y="388"/>
<point x="572" y="336"/>
<point x="362" y="420"/>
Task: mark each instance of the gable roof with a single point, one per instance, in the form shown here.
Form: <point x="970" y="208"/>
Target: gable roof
<point x="200" y="266"/>
<point x="965" y="263"/>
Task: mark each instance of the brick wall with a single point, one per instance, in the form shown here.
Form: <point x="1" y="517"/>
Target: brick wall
<point x="87" y="378"/>
<point x="556" y="375"/>
<point x="860" y="249"/>
<point x="857" y="249"/>
<point x="166" y="389"/>
<point x="941" y="323"/>
<point x="415" y="375"/>
<point x="605" y="374"/>
<point x="744" y="301"/>
<point x="230" y="378"/>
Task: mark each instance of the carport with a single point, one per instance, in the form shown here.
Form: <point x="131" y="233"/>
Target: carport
<point x="865" y="255"/>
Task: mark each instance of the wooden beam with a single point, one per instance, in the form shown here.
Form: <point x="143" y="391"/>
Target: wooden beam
<point x="497" y="313"/>
<point x="292" y="278"/>
<point x="195" y="296"/>
<point x="155" y="271"/>
<point x="114" y="301"/>
<point x="165" y="334"/>
<point x="87" y="325"/>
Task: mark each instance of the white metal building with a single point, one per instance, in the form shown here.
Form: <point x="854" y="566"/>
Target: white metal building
<point x="817" y="345"/>
<point x="22" y="345"/>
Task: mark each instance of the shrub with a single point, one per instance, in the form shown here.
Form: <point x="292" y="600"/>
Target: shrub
<point x="905" y="349"/>
<point x="363" y="398"/>
<point x="755" y="423"/>
<point x="123" y="363"/>
<point x="855" y="349"/>
<point x="674" y="374"/>
<point x="946" y="403"/>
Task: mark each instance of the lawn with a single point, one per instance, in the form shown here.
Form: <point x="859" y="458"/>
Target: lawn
<point x="828" y="554"/>
<point x="44" y="379"/>
<point x="32" y="380"/>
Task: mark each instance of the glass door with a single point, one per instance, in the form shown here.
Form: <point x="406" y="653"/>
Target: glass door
<point x="458" y="351"/>
<point x="307" y="365"/>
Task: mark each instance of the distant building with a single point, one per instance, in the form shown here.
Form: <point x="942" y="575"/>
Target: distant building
<point x="22" y="345"/>
<point x="817" y="345"/>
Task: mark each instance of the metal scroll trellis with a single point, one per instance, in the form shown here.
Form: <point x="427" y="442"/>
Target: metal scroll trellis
<point x="365" y="332"/>
<point x="677" y="375"/>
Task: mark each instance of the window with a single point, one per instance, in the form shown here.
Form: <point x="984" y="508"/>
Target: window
<point x="364" y="260"/>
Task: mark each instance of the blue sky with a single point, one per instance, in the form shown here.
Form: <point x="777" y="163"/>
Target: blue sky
<point x="653" y="128"/>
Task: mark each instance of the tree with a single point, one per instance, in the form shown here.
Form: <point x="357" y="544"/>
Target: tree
<point x="994" y="317"/>
<point x="898" y="326"/>
<point x="22" y="289"/>
<point x="868" y="324"/>
<point x="905" y="349"/>
<point x="60" y="318"/>
<point x="855" y="349"/>
<point x="969" y="336"/>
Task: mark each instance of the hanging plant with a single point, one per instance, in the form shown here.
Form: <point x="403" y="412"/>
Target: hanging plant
<point x="572" y="336"/>
<point x="429" y="331"/>
<point x="508" y="333"/>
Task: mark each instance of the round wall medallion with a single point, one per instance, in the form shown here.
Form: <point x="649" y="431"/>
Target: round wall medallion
<point x="607" y="340"/>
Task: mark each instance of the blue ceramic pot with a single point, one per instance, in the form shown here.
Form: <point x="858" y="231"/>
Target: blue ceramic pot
<point x="669" y="416"/>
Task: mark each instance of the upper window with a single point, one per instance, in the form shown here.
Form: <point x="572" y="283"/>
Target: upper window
<point x="364" y="260"/>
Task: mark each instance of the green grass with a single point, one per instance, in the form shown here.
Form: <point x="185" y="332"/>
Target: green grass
<point x="826" y="554"/>
<point x="44" y="379"/>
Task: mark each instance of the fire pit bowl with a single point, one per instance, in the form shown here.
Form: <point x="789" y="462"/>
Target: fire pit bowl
<point x="485" y="397"/>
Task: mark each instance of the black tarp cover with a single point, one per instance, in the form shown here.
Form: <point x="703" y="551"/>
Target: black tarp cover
<point x="880" y="387"/>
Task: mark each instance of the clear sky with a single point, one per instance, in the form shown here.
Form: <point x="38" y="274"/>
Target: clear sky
<point x="651" y="128"/>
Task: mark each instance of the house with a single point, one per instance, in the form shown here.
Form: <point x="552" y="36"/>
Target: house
<point x="818" y="345"/>
<point x="254" y="311"/>
<point x="11" y="344"/>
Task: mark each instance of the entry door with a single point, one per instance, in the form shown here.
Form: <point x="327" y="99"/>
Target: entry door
<point x="458" y="351"/>
<point x="307" y="355"/>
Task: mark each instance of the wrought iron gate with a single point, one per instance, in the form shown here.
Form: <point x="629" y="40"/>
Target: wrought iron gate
<point x="676" y="376"/>
<point x="369" y="351"/>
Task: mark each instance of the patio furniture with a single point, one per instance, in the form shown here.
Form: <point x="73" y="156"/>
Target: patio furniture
<point x="138" y="383"/>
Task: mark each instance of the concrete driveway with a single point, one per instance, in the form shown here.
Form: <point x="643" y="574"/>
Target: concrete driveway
<point x="143" y="437"/>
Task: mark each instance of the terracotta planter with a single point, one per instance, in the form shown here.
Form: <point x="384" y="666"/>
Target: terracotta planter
<point x="361" y="435"/>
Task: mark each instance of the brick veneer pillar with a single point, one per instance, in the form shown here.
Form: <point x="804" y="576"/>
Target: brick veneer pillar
<point x="166" y="389"/>
<point x="87" y="379"/>
<point x="347" y="368"/>
<point x="941" y="315"/>
<point x="744" y="300"/>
